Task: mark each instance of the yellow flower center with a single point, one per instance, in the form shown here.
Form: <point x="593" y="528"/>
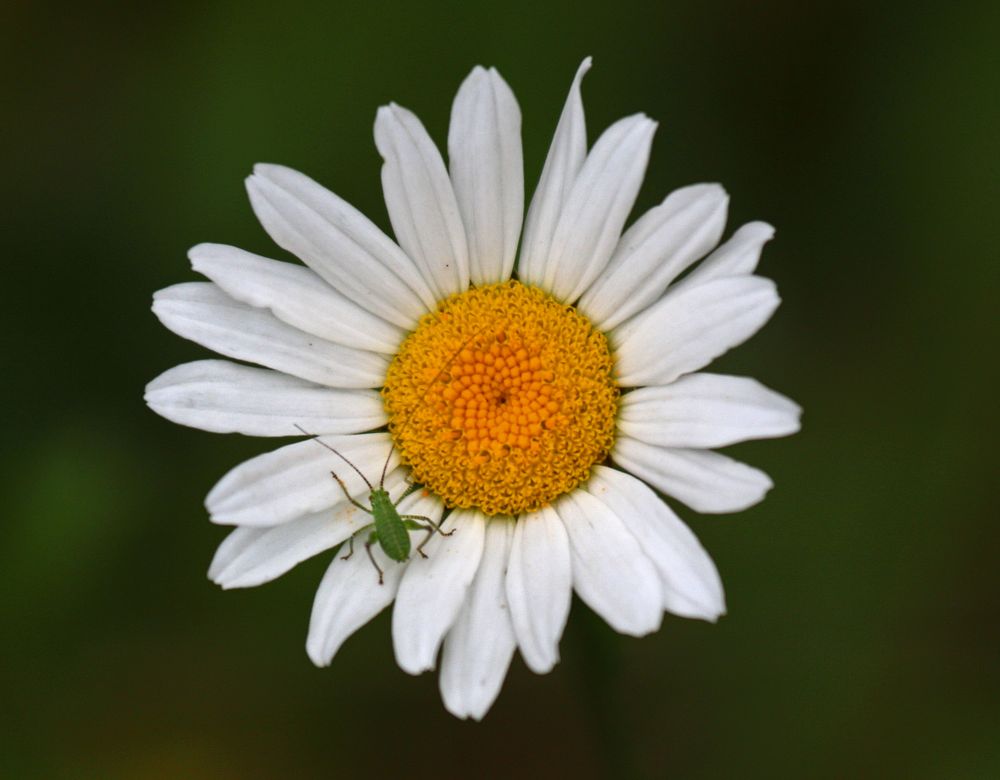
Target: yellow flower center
<point x="502" y="399"/>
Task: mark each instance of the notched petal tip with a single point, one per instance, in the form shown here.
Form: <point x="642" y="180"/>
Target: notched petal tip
<point x="217" y="573"/>
<point x="392" y="109"/>
<point x="707" y="617"/>
<point x="269" y="173"/>
<point x="314" y="649"/>
<point x="267" y="170"/>
<point x="318" y="640"/>
<point x="711" y="189"/>
<point x="253" y="188"/>
<point x="203" y="254"/>
<point x="202" y="249"/>
<point x="764" y="231"/>
<point x="539" y="664"/>
<point x="640" y="119"/>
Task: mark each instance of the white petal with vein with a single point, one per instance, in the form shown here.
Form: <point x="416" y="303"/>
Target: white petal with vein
<point x="224" y="397"/>
<point x="251" y="556"/>
<point x="654" y="251"/>
<point x="539" y="587"/>
<point x="704" y="480"/>
<point x="706" y="410"/>
<point x="737" y="257"/>
<point x="295" y="295"/>
<point x="350" y="594"/>
<point x="421" y="202"/>
<point x="685" y="332"/>
<point x="201" y="312"/>
<point x="691" y="584"/>
<point x="339" y="243"/>
<point x="433" y="590"/>
<point x="484" y="154"/>
<point x="565" y="157"/>
<point x="478" y="649"/>
<point x="294" y="480"/>
<point x="597" y="206"/>
<point x="611" y="573"/>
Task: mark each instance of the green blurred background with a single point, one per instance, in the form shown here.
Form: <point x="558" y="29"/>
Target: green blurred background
<point x="862" y="639"/>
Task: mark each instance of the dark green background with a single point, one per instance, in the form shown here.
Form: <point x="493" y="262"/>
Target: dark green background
<point x="862" y="639"/>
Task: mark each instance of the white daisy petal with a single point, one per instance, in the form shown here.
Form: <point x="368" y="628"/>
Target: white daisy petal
<point x="350" y="594"/>
<point x="433" y="590"/>
<point x="478" y="649"/>
<point x="295" y="295"/>
<point x="684" y="332"/>
<point x="339" y="243"/>
<point x="611" y="573"/>
<point x="294" y="480"/>
<point x="706" y="410"/>
<point x="201" y="312"/>
<point x="251" y="556"/>
<point x="737" y="257"/>
<point x="597" y="207"/>
<point x="539" y="587"/>
<point x="565" y="158"/>
<point x="484" y="153"/>
<point x="706" y="481"/>
<point x="224" y="397"/>
<point x="691" y="584"/>
<point x="654" y="251"/>
<point x="421" y="201"/>
<point x="348" y="597"/>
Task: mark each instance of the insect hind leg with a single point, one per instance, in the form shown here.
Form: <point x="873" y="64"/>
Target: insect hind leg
<point x="368" y="549"/>
<point x="431" y="523"/>
<point x="427" y="525"/>
<point x="420" y="547"/>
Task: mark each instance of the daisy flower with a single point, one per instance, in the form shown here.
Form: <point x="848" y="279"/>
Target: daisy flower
<point x="543" y="399"/>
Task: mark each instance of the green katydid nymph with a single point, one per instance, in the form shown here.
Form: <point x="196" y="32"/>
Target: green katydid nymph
<point x="389" y="529"/>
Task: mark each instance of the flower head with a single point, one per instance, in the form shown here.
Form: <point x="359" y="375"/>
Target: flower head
<point x="539" y="404"/>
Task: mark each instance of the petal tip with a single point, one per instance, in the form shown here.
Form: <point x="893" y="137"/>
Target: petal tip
<point x="269" y="170"/>
<point x="540" y="665"/>
<point x="252" y="184"/>
<point x="764" y="230"/>
<point x="415" y="669"/>
<point x="315" y="652"/>
<point x="200" y="255"/>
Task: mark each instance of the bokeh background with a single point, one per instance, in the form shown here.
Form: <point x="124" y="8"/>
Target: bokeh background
<point x="862" y="635"/>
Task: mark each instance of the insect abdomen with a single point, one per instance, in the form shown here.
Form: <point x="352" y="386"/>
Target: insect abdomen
<point x="392" y="534"/>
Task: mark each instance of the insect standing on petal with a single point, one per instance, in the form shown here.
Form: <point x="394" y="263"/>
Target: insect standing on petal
<point x="389" y="529"/>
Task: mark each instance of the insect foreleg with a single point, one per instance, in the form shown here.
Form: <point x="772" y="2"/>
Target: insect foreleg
<point x="350" y="498"/>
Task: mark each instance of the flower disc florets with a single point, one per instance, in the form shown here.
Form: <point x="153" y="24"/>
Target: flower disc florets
<point x="502" y="399"/>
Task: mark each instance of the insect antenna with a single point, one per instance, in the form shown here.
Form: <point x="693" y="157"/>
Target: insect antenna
<point x="430" y="384"/>
<point x="335" y="452"/>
